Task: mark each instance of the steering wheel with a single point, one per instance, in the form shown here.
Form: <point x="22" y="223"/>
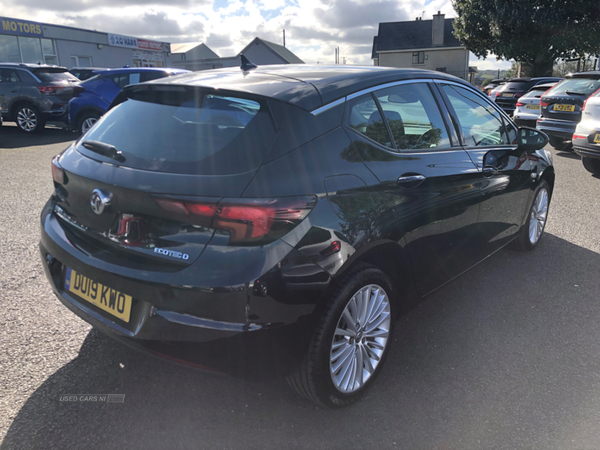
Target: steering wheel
<point x="428" y="135"/>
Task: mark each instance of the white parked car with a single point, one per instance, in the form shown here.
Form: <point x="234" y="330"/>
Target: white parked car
<point x="528" y="107"/>
<point x="586" y="139"/>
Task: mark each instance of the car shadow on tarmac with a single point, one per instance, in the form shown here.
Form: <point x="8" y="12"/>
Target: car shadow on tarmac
<point x="12" y="137"/>
<point x="492" y="360"/>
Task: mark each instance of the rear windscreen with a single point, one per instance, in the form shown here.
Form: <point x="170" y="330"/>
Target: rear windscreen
<point x="576" y="86"/>
<point x="48" y="76"/>
<point x="187" y="132"/>
<point x="518" y="85"/>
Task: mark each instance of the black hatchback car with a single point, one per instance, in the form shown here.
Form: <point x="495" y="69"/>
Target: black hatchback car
<point x="276" y="221"/>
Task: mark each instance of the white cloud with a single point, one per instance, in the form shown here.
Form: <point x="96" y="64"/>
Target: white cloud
<point x="313" y="27"/>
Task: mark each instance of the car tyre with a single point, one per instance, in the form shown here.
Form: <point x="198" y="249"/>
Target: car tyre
<point x="87" y="121"/>
<point x="592" y="165"/>
<point x="29" y="119"/>
<point x="328" y="374"/>
<point x="532" y="232"/>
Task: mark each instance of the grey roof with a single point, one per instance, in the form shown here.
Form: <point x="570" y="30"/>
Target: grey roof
<point x="374" y="53"/>
<point x="285" y="54"/>
<point x="412" y="35"/>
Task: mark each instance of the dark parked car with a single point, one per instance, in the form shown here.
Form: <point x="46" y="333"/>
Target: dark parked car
<point x="95" y="95"/>
<point x="511" y="91"/>
<point x="562" y="106"/>
<point x="493" y="84"/>
<point x="85" y="73"/>
<point x="277" y="221"/>
<point x="32" y="94"/>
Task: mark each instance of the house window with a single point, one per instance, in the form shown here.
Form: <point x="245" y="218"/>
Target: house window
<point x="49" y="51"/>
<point x="81" y="61"/>
<point x="418" y="57"/>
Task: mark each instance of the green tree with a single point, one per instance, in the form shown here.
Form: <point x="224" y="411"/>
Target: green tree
<point x="535" y="32"/>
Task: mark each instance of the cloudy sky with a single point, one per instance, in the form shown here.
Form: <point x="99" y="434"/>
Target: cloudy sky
<point x="313" y="27"/>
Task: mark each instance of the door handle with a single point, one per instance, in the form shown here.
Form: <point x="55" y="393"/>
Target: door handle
<point x="489" y="171"/>
<point x="410" y="181"/>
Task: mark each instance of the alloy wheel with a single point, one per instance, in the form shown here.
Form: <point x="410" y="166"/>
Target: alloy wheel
<point x="539" y="213"/>
<point x="87" y="124"/>
<point x="360" y="338"/>
<point x="27" y="119"/>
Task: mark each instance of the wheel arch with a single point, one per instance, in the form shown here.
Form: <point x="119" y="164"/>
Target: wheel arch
<point x="12" y="110"/>
<point x="87" y="110"/>
<point x="392" y="259"/>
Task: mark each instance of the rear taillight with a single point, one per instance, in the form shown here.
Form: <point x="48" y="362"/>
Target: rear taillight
<point x="246" y="220"/>
<point x="520" y="104"/>
<point x="50" y="90"/>
<point x="517" y="95"/>
<point x="578" y="136"/>
<point x="58" y="175"/>
<point x="543" y="103"/>
<point x="78" y="90"/>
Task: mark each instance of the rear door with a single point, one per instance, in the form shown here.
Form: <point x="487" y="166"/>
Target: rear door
<point x="490" y="139"/>
<point x="429" y="179"/>
<point x="10" y="87"/>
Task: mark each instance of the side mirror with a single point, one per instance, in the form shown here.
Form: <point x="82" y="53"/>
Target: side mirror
<point x="530" y="139"/>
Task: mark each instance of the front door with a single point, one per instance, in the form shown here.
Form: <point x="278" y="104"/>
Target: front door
<point x="429" y="179"/>
<point x="491" y="142"/>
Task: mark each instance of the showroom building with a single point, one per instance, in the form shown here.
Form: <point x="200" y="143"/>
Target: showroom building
<point x="33" y="42"/>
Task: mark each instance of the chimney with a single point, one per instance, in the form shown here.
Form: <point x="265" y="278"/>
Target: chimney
<point x="437" y="30"/>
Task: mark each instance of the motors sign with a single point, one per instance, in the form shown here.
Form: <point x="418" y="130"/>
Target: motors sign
<point x="116" y="40"/>
<point x="20" y="27"/>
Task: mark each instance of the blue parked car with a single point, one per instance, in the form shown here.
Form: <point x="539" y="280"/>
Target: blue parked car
<point x="94" y="96"/>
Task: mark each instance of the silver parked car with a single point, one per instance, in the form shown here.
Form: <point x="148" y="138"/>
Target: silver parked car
<point x="528" y="107"/>
<point x="586" y="139"/>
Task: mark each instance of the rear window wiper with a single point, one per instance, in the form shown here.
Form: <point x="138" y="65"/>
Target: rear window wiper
<point x="575" y="93"/>
<point x="104" y="149"/>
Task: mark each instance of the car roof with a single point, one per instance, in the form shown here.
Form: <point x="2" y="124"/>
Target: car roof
<point x="591" y="74"/>
<point x="139" y="69"/>
<point x="542" y="86"/>
<point x="88" y="68"/>
<point x="304" y="85"/>
<point x="32" y="66"/>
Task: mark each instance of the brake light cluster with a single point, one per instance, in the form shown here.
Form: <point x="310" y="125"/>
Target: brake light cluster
<point x="50" y="90"/>
<point x="246" y="220"/>
<point x="520" y="104"/>
<point x="58" y="175"/>
<point x="585" y="102"/>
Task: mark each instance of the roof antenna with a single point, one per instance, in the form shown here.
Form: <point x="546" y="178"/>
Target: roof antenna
<point x="247" y="64"/>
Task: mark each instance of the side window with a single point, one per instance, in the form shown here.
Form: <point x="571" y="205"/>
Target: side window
<point x="481" y="124"/>
<point x="134" y="78"/>
<point x="413" y="117"/>
<point x="121" y="80"/>
<point x="365" y="118"/>
<point x="9" y="76"/>
<point x="147" y="76"/>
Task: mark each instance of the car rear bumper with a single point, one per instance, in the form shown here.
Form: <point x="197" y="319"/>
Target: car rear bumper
<point x="525" y="122"/>
<point x="243" y="346"/>
<point x="583" y="148"/>
<point x="562" y="129"/>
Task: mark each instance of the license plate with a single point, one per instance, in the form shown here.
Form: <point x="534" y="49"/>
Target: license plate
<point x="597" y="138"/>
<point x="532" y="107"/>
<point x="105" y="298"/>
<point x="507" y="95"/>
<point x="567" y="108"/>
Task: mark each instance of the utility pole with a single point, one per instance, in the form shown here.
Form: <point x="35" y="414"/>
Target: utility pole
<point x="284" y="37"/>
